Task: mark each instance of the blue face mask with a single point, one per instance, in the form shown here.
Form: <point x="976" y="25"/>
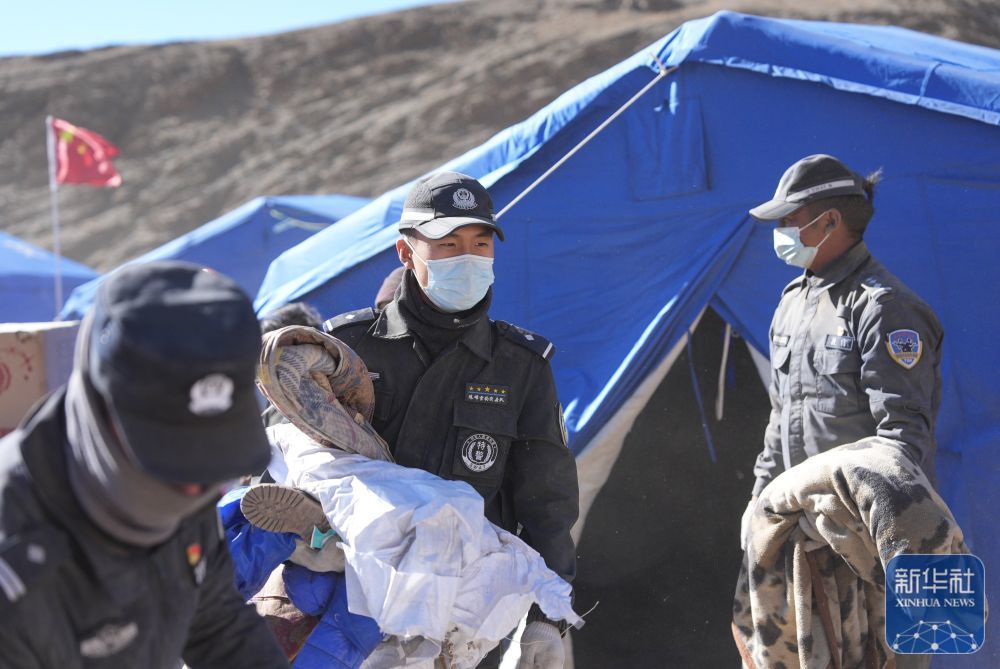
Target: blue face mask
<point x="459" y="283"/>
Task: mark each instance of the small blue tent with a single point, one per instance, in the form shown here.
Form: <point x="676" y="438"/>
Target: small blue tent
<point x="27" y="280"/>
<point x="242" y="243"/>
<point x="614" y="256"/>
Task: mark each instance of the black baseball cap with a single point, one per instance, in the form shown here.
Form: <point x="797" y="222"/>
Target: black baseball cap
<point x="813" y="178"/>
<point x="439" y="203"/>
<point x="173" y="352"/>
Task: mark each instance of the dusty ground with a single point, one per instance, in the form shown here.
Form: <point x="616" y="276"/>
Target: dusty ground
<point x="357" y="107"/>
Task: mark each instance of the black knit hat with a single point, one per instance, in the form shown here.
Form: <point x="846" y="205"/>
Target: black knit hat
<point x="173" y="352"/>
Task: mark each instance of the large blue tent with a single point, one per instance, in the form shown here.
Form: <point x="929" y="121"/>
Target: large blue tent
<point x="242" y="243"/>
<point x="27" y="280"/>
<point x="615" y="255"/>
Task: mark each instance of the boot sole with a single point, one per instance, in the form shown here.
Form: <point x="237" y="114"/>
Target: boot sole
<point x="278" y="508"/>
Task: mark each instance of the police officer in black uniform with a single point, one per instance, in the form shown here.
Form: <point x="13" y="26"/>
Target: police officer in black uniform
<point x="854" y="352"/>
<point x="465" y="397"/>
<point x="111" y="551"/>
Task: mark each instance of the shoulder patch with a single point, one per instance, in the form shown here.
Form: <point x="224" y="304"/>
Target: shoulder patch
<point x="904" y="347"/>
<point x="27" y="560"/>
<point x="875" y="287"/>
<point x="350" y="318"/>
<point x="534" y="342"/>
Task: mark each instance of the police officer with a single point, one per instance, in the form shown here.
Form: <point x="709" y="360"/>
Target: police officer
<point x="465" y="397"/>
<point x="111" y="553"/>
<point x="854" y="352"/>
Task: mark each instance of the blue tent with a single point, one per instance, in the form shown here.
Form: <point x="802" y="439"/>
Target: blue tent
<point x="27" y="280"/>
<point x="614" y="256"/>
<point x="243" y="242"/>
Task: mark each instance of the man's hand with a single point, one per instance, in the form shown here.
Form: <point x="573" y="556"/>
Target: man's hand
<point x="745" y="523"/>
<point x="541" y="647"/>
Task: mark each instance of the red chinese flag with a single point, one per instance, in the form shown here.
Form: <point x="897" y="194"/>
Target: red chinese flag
<point x="83" y="157"/>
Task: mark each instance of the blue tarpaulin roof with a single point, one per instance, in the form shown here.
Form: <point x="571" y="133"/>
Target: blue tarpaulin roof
<point x="242" y="243"/>
<point x="27" y="280"/>
<point x="615" y="254"/>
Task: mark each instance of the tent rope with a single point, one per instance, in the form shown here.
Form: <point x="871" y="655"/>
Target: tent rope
<point x="698" y="400"/>
<point x="664" y="71"/>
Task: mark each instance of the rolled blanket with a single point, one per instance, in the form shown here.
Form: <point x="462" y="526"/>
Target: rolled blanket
<point x="825" y="530"/>
<point x="322" y="387"/>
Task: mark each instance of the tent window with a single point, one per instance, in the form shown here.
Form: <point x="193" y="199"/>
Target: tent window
<point x="666" y="149"/>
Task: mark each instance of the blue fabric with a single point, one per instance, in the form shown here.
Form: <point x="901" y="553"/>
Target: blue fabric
<point x="341" y="639"/>
<point x="243" y="242"/>
<point x="255" y="552"/>
<point x="27" y="281"/>
<point x="615" y="254"/>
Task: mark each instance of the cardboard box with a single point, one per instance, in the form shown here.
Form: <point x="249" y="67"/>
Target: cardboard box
<point x="35" y="359"/>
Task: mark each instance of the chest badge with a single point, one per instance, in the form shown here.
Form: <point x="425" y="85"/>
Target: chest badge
<point x="904" y="347"/>
<point x="109" y="640"/>
<point x="840" y="342"/>
<point x="484" y="393"/>
<point x="197" y="562"/>
<point x="479" y="452"/>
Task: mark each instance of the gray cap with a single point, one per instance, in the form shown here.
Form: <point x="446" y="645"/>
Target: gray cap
<point x="813" y="178"/>
<point x="441" y="202"/>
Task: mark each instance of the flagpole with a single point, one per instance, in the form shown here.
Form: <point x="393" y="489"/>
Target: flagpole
<point x="54" y="195"/>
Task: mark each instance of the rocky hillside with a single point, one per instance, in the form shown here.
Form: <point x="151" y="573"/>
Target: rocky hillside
<point x="356" y="107"/>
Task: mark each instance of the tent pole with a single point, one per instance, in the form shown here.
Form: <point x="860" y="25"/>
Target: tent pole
<point x="596" y="131"/>
<point x="54" y="196"/>
<point x="720" y="397"/>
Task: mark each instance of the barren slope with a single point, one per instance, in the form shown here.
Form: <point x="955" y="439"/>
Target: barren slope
<point x="356" y="107"/>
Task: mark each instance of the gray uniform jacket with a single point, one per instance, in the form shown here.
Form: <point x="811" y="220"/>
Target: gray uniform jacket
<point x="73" y="598"/>
<point x="484" y="411"/>
<point x="854" y="353"/>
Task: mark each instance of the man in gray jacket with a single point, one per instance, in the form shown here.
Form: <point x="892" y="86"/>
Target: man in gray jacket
<point x="854" y="352"/>
<point x="111" y="553"/>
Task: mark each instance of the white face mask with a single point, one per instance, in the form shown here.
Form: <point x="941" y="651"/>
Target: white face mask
<point x="459" y="283"/>
<point x="789" y="247"/>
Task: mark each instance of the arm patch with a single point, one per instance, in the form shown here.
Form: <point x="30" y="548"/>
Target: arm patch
<point x="350" y="318"/>
<point x="536" y="343"/>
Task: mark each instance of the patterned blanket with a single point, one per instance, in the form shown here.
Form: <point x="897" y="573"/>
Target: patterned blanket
<point x="811" y="591"/>
<point x="322" y="387"/>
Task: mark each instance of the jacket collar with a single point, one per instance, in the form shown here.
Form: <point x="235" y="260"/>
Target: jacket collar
<point x="476" y="335"/>
<point x="43" y="450"/>
<point x="841" y="268"/>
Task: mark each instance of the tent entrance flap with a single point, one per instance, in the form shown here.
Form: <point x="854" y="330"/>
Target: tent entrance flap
<point x="660" y="545"/>
<point x="594" y="463"/>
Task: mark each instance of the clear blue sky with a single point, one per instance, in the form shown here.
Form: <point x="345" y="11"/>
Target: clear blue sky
<point x="44" y="26"/>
